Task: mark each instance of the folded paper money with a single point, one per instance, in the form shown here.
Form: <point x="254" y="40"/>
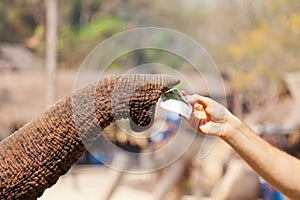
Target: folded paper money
<point x="173" y="100"/>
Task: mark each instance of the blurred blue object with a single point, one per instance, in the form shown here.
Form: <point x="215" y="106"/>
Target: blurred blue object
<point x="269" y="193"/>
<point x="173" y="117"/>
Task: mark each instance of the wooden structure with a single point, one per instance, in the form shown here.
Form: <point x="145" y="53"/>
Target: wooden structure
<point x="15" y="57"/>
<point x="22" y="95"/>
<point x="282" y="115"/>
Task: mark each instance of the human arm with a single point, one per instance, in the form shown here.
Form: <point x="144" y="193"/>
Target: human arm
<point x="278" y="168"/>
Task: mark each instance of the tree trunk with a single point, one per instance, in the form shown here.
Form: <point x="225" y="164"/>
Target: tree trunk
<point x="51" y="52"/>
<point x="85" y="12"/>
<point x="5" y="5"/>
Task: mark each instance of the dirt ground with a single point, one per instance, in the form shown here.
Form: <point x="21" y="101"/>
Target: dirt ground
<point x="93" y="182"/>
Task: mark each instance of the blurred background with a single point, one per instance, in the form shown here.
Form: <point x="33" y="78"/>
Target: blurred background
<point x="255" y="45"/>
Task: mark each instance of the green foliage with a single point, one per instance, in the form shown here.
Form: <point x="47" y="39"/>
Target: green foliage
<point x="144" y="56"/>
<point x="102" y="25"/>
<point x="16" y="21"/>
<point x="74" y="44"/>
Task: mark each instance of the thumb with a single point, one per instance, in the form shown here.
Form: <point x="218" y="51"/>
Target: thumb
<point x="212" y="128"/>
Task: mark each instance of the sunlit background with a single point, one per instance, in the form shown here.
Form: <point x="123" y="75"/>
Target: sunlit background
<point x="255" y="45"/>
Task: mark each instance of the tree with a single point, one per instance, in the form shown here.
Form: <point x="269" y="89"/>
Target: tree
<point x="51" y="50"/>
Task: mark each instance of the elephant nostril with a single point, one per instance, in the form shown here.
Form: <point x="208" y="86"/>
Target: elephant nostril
<point x="144" y="124"/>
<point x="135" y="97"/>
<point x="142" y="109"/>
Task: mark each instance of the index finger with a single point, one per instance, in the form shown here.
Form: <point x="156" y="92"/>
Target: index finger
<point x="192" y="99"/>
<point x="205" y="101"/>
<point x="195" y="98"/>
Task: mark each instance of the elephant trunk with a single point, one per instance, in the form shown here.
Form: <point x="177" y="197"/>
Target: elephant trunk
<point x="33" y="158"/>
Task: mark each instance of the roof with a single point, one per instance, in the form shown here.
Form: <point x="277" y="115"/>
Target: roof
<point x="281" y="115"/>
<point x="22" y="94"/>
<point x="17" y="57"/>
<point x="293" y="82"/>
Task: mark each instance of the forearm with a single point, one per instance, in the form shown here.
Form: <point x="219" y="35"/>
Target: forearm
<point x="276" y="167"/>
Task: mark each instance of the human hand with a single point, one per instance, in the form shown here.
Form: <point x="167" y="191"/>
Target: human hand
<point x="209" y="117"/>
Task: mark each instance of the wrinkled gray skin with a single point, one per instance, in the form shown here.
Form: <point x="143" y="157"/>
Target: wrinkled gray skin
<point x="33" y="158"/>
